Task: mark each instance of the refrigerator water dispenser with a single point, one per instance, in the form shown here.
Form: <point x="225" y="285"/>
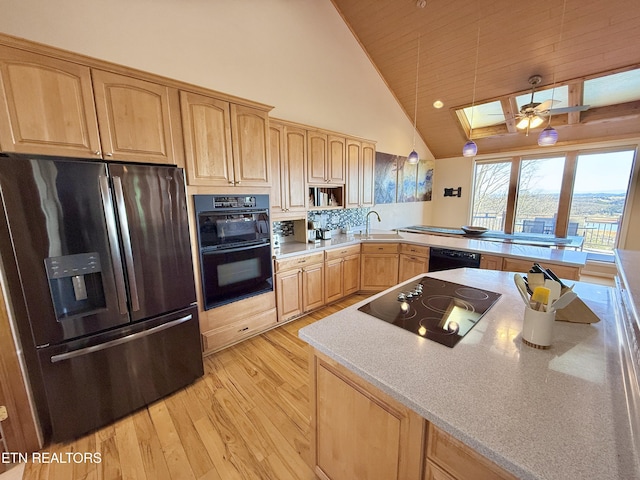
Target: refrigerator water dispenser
<point x="75" y="282"/>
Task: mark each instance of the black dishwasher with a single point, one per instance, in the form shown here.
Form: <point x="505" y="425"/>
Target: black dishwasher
<point x="446" y="259"/>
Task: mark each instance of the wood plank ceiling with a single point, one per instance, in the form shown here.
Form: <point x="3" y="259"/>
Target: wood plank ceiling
<point x="516" y="40"/>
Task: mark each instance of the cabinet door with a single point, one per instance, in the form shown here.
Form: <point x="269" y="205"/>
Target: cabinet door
<point x="334" y="280"/>
<point x="317" y="157"/>
<point x="410" y="266"/>
<point x="354" y="152"/>
<point x="46" y="106"/>
<point x="313" y="287"/>
<point x="367" y="175"/>
<point x="289" y="294"/>
<point x="135" y="118"/>
<point x="351" y="274"/>
<point x="360" y="432"/>
<point x="336" y="159"/>
<point x="378" y="271"/>
<point x="295" y="191"/>
<point x="490" y="262"/>
<point x="278" y="177"/>
<point x="251" y="156"/>
<point x="207" y="139"/>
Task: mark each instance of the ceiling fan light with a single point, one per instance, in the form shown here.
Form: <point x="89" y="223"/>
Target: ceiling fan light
<point x="413" y="157"/>
<point x="470" y="149"/>
<point x="535" y="122"/>
<point x="522" y="124"/>
<point x="548" y="136"/>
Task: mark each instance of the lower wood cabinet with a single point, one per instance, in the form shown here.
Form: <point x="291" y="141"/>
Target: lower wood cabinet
<point x="414" y="260"/>
<point x="562" y="271"/>
<point x="491" y="262"/>
<point x="299" y="285"/>
<point x="231" y="323"/>
<point x="342" y="272"/>
<point x="359" y="432"/>
<point x="379" y="267"/>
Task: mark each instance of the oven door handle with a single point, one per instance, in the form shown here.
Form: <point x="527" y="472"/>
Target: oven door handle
<point x="236" y="249"/>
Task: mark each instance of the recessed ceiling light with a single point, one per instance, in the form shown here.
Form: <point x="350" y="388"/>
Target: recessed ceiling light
<point x="438" y="104"/>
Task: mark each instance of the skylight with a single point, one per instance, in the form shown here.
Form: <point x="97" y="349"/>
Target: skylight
<point x="612" y="89"/>
<point x="485" y="114"/>
<point x="560" y="97"/>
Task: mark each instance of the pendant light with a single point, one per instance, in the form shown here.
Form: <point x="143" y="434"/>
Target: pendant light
<point x="549" y="136"/>
<point x="413" y="157"/>
<point x="470" y="149"/>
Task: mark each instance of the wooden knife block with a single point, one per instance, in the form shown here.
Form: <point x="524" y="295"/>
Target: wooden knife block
<point x="576" y="312"/>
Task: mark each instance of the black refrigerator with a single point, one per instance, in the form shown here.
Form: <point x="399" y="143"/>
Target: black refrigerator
<point x="98" y="268"/>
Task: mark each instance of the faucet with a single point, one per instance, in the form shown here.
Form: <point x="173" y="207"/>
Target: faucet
<point x="366" y="232"/>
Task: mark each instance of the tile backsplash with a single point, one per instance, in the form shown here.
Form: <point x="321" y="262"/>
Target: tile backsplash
<point x="328" y="219"/>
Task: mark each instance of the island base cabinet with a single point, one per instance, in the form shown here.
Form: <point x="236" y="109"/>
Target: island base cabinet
<point x="359" y="432"/>
<point x="450" y="459"/>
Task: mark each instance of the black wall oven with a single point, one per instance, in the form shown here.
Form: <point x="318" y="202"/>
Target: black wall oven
<point x="235" y="247"/>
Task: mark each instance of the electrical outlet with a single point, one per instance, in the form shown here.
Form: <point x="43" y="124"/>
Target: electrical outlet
<point x="3" y="413"/>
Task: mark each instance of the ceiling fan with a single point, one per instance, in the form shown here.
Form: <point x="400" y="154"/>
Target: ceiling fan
<point x="533" y="114"/>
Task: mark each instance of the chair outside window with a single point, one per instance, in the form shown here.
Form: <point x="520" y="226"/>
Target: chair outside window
<point x="532" y="226"/>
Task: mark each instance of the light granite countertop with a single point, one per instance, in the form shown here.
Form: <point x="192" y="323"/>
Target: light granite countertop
<point x="559" y="413"/>
<point x="528" y="252"/>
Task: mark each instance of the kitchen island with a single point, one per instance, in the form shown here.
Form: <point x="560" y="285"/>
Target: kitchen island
<point x="559" y="413"/>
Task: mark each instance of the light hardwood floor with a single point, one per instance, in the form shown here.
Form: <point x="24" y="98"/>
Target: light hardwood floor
<point x="246" y="418"/>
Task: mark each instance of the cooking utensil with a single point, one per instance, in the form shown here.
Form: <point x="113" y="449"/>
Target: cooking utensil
<point x="522" y="287"/>
<point x="540" y="298"/>
<point x="535" y="280"/>
<point x="554" y="290"/>
<point x="564" y="300"/>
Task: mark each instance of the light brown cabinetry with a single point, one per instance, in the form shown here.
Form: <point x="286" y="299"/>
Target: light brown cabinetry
<point x="288" y="146"/>
<point x="46" y="106"/>
<point x="414" y="260"/>
<point x="225" y="144"/>
<point x="231" y="323"/>
<point x="360" y="174"/>
<point x="450" y="459"/>
<point x="523" y="266"/>
<point x="326" y="156"/>
<point x="359" y="431"/>
<point x="379" y="266"/>
<point x="299" y="285"/>
<point x="138" y="120"/>
<point x="490" y="262"/>
<point x="206" y="124"/>
<point x="250" y="138"/>
<point x="342" y="272"/>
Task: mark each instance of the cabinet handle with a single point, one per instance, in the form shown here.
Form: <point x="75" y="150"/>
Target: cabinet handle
<point x="238" y="183"/>
<point x="303" y="260"/>
<point x="109" y="155"/>
<point x="97" y="153"/>
<point x="231" y="182"/>
<point x="243" y="329"/>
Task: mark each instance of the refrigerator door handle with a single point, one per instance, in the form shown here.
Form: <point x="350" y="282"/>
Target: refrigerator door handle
<point x="119" y="341"/>
<point x="116" y="259"/>
<point x="126" y="240"/>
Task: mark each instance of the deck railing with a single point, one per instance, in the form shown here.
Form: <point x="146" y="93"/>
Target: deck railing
<point x="599" y="234"/>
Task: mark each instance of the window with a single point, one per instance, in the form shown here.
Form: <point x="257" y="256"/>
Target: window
<point x="573" y="194"/>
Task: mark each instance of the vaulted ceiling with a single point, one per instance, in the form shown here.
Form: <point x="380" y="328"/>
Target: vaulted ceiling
<point x="516" y="40"/>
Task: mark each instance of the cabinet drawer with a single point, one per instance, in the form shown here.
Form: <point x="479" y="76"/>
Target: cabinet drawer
<point x="379" y="248"/>
<point x="459" y="460"/>
<point x="416" y="250"/>
<point x="234" y="332"/>
<point x="341" y="252"/>
<point x="299" y="261"/>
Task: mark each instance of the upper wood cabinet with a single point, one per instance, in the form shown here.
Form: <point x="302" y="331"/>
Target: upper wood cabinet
<point x="250" y="139"/>
<point x="326" y="157"/>
<point x="46" y="106"/>
<point x="360" y="174"/>
<point x="288" y="146"/>
<point x="136" y="118"/>
<point x="206" y="124"/>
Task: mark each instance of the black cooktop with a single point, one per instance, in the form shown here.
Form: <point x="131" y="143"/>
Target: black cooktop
<point x="435" y="309"/>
